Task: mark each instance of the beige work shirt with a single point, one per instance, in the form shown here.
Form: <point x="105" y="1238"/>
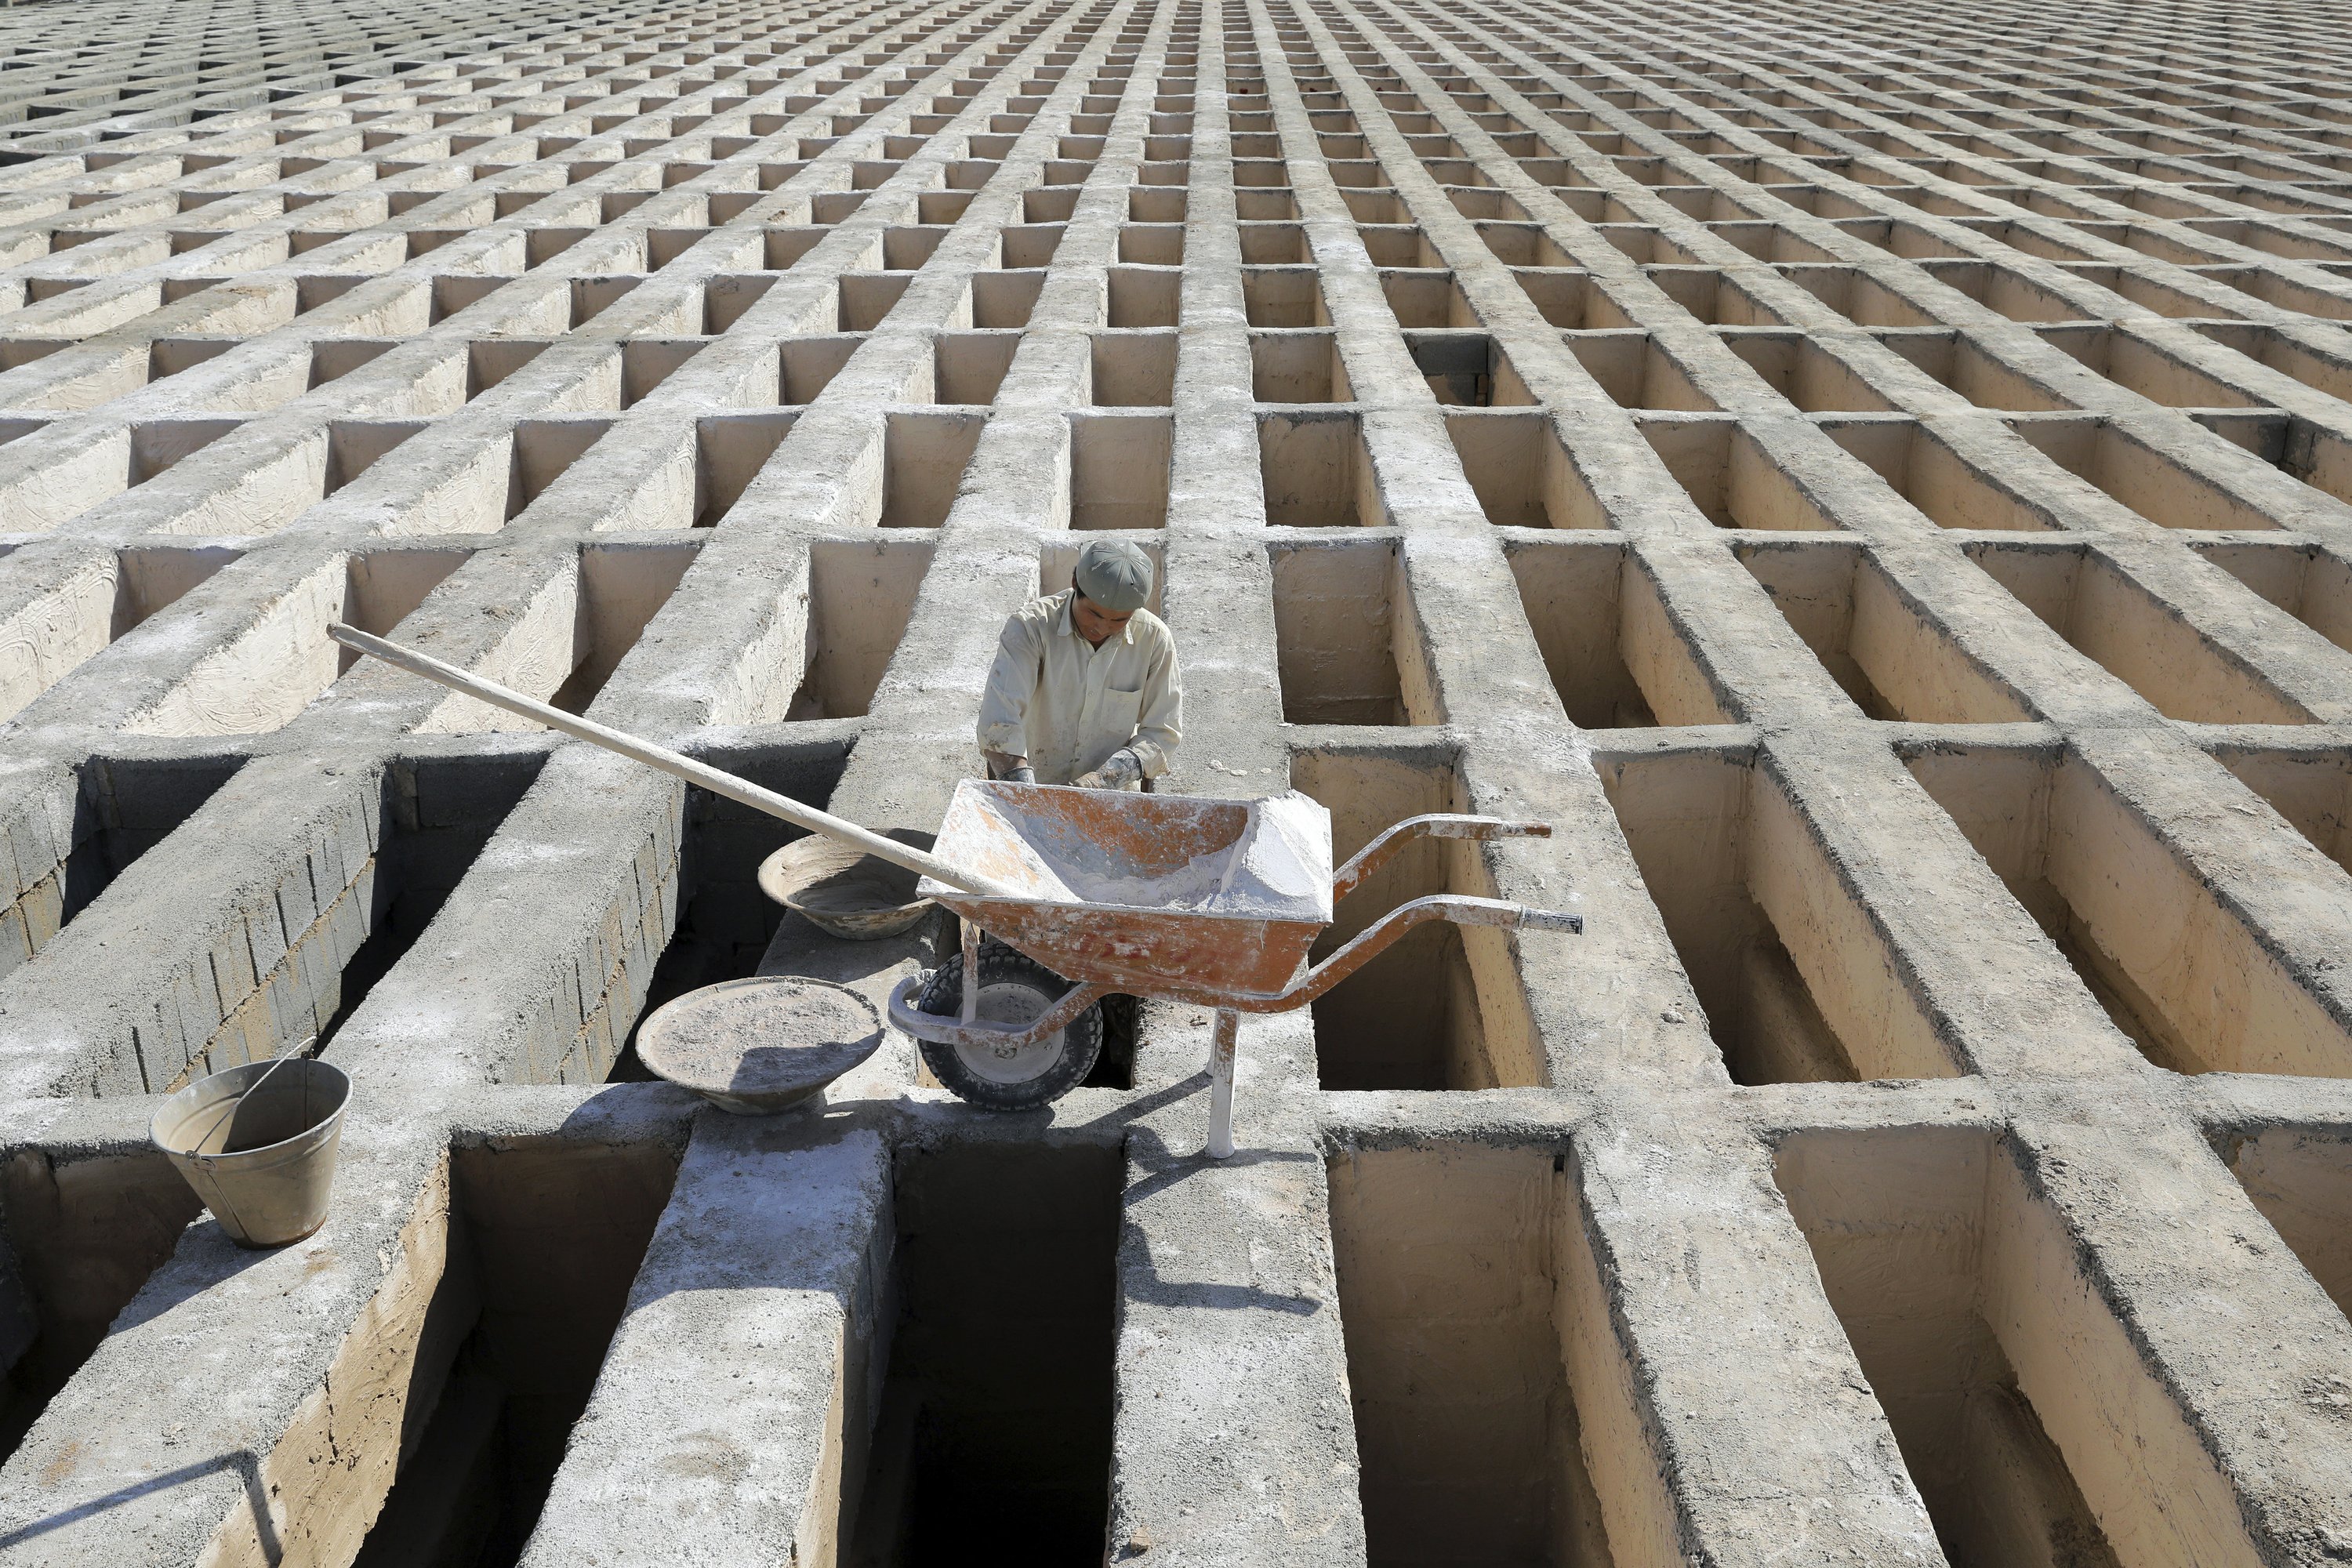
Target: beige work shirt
<point x="1066" y="705"/>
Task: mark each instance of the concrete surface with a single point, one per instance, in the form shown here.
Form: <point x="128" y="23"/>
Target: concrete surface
<point x="1875" y="478"/>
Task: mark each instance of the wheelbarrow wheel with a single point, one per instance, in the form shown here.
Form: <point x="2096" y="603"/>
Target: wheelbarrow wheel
<point x="1013" y="989"/>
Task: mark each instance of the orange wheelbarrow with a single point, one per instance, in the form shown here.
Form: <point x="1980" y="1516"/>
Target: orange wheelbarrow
<point x="1172" y="897"/>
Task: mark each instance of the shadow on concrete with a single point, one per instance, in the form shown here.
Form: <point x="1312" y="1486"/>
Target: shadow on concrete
<point x="1140" y="1278"/>
<point x="242" y="1461"/>
<point x="205" y="1257"/>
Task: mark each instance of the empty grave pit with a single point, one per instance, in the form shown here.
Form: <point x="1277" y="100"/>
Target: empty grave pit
<point x="1636" y="373"/>
<point x="1467" y="369"/>
<point x="1877" y="642"/>
<point x="990" y="1435"/>
<point x="726" y="455"/>
<point x="86" y="1227"/>
<point x="530" y="1248"/>
<point x="1566" y="297"/>
<point x="564" y="642"/>
<point x="1134" y="368"/>
<point x="2178" y="970"/>
<point x="438" y="814"/>
<point x="1120" y="470"/>
<point x="805" y="366"/>
<point x="293" y="961"/>
<point x="1138" y="296"/>
<point x="1712" y="296"/>
<point x="1728" y="476"/>
<point x="1796" y="982"/>
<point x="1315" y="471"/>
<point x="1343" y="652"/>
<point x="119" y="809"/>
<point x="1809" y="374"/>
<point x="159" y="445"/>
<point x="2304" y="580"/>
<point x="228" y="494"/>
<point x="1613" y="654"/>
<point x="2140" y="365"/>
<point x="2112" y="619"/>
<point x="1297" y="365"/>
<point x="1284" y="297"/>
<point x="629" y="372"/>
<point x="2310" y="787"/>
<point x="2135" y="475"/>
<point x="557" y="644"/>
<point x="923" y="459"/>
<point x="1521" y="473"/>
<point x="966" y="367"/>
<point x="283" y="660"/>
<point x="2024" y="1412"/>
<point x="542" y="450"/>
<point x="87" y="605"/>
<point x="1941" y="485"/>
<point x="861" y="594"/>
<point x="1442" y="1009"/>
<point x="1421" y="298"/>
<point x="866" y="298"/>
<point x="1460" y="1326"/>
<point x="1975" y="373"/>
<point x="2301" y="1179"/>
<point x="265" y="381"/>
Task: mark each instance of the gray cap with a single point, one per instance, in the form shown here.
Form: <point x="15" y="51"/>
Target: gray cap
<point x="1116" y="574"/>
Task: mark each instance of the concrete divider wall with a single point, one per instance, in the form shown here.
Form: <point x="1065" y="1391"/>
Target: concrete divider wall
<point x="1873" y="477"/>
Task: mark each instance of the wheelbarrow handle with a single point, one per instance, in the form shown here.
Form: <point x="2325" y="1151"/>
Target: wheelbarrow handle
<point x="668" y="760"/>
<point x="1304" y="986"/>
<point x="1459" y="908"/>
<point x="1431" y="824"/>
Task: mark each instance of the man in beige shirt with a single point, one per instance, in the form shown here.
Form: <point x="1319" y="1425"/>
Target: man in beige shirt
<point x="1085" y="688"/>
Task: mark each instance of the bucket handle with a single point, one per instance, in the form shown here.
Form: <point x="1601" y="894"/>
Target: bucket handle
<point x="228" y="1108"/>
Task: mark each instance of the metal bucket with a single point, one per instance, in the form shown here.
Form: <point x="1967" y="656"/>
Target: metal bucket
<point x="262" y="1163"/>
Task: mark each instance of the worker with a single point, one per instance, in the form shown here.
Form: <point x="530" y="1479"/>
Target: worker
<point x="1085" y="688"/>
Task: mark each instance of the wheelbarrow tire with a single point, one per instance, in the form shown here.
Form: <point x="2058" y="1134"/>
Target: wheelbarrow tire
<point x="1004" y="974"/>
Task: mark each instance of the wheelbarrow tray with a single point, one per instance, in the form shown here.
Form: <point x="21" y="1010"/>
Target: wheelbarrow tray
<point x="1144" y="892"/>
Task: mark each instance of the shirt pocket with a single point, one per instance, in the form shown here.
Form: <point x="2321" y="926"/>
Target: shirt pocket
<point x="1119" y="710"/>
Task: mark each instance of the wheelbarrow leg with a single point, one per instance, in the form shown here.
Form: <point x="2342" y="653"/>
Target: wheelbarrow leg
<point x="1221" y="1083"/>
<point x="970" y="969"/>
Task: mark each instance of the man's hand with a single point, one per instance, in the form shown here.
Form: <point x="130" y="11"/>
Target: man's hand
<point x="1120" y="769"/>
<point x="1009" y="768"/>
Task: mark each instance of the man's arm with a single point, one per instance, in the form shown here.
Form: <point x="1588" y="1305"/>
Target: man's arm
<point x="1004" y="729"/>
<point x="1009" y="770"/>
<point x="1159" y="721"/>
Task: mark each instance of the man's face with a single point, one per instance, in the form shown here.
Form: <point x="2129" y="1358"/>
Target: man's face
<point x="1096" y="623"/>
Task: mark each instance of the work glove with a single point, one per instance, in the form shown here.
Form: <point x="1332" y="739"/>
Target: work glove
<point x="1120" y="769"/>
<point x="1024" y="774"/>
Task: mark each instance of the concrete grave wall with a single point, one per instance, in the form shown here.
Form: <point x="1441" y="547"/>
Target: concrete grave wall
<point x="1876" y="480"/>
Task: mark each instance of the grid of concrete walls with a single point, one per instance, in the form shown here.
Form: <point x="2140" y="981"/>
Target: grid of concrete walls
<point x="1875" y="478"/>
